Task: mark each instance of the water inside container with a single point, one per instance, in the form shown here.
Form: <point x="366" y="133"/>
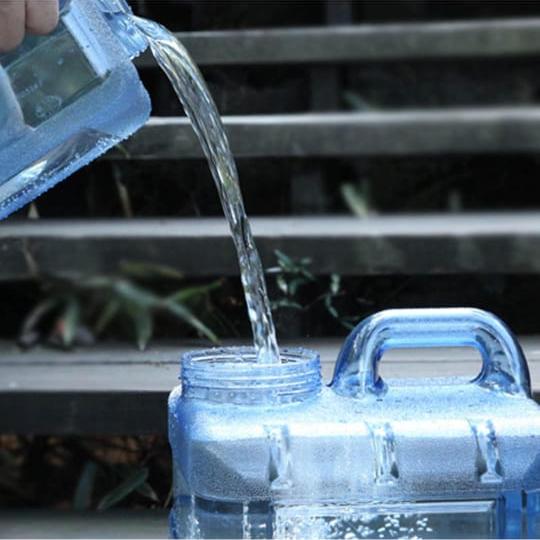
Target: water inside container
<point x="197" y="517"/>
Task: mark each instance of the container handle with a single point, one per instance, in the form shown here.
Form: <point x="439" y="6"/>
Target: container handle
<point x="504" y="368"/>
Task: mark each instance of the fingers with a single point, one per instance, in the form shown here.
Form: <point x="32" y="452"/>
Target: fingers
<point x="41" y="15"/>
<point x="12" y="23"/>
<point x="18" y="16"/>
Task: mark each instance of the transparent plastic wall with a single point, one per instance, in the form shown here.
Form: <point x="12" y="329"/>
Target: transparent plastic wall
<point x="67" y="98"/>
<point x="269" y="451"/>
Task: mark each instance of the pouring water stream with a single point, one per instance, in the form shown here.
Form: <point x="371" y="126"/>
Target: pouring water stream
<point x="193" y="93"/>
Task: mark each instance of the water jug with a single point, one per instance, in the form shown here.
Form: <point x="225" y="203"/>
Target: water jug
<point x="67" y="98"/>
<point x="265" y="451"/>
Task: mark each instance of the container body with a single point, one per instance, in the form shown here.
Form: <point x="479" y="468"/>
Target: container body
<point x="67" y="98"/>
<point x="427" y="458"/>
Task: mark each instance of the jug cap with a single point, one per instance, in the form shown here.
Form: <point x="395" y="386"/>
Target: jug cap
<point x="233" y="375"/>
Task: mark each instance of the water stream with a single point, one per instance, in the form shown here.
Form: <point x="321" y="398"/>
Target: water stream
<point x="193" y="93"/>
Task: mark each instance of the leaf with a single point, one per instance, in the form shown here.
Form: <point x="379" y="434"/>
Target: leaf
<point x="284" y="260"/>
<point x="108" y="313"/>
<point x="123" y="192"/>
<point x="85" y="486"/>
<point x="185" y="314"/>
<point x="355" y="200"/>
<point x="143" y="324"/>
<point x="132" y="483"/>
<point x="353" y="319"/>
<point x="148" y="270"/>
<point x="344" y="321"/>
<point x="295" y="284"/>
<point x="355" y="102"/>
<point x="36" y="316"/>
<point x="134" y="294"/>
<point x="282" y="284"/>
<point x="330" y="307"/>
<point x="189" y="293"/>
<point x="169" y="497"/>
<point x="289" y="266"/>
<point x="333" y="311"/>
<point x="123" y="150"/>
<point x="335" y="283"/>
<point x="286" y="303"/>
<point x="97" y="282"/>
<point x="69" y="321"/>
<point x="147" y="491"/>
<point x="307" y="274"/>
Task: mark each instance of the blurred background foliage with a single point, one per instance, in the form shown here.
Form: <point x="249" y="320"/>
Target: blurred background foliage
<point x="84" y="473"/>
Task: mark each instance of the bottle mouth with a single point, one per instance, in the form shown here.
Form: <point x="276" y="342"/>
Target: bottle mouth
<point x="233" y="375"/>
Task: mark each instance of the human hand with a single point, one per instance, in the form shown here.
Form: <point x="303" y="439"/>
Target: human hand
<point x="20" y="16"/>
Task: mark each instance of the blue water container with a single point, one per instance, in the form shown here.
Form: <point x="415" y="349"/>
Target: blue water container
<point x="264" y="451"/>
<point x="67" y="98"/>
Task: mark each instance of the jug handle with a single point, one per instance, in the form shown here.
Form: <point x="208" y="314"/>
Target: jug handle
<point x="504" y="367"/>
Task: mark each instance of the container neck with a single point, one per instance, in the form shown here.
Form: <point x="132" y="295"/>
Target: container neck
<point x="120" y="18"/>
<point x="233" y="376"/>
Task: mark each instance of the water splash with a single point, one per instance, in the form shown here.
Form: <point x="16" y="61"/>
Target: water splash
<point x="192" y="91"/>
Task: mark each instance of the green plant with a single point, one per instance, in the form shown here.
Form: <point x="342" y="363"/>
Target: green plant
<point x="357" y="198"/>
<point x="85" y="473"/>
<point x="291" y="276"/>
<point x="354" y="101"/>
<point x="134" y="480"/>
<point x="88" y="305"/>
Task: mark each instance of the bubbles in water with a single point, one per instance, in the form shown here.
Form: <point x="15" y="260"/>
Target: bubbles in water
<point x="335" y="521"/>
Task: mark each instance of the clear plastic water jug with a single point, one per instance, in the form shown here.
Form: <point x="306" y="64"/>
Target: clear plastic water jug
<point x="265" y="451"/>
<point x="67" y="98"/>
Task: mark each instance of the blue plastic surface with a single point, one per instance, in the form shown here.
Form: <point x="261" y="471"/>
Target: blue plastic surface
<point x="67" y="98"/>
<point x="268" y="451"/>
